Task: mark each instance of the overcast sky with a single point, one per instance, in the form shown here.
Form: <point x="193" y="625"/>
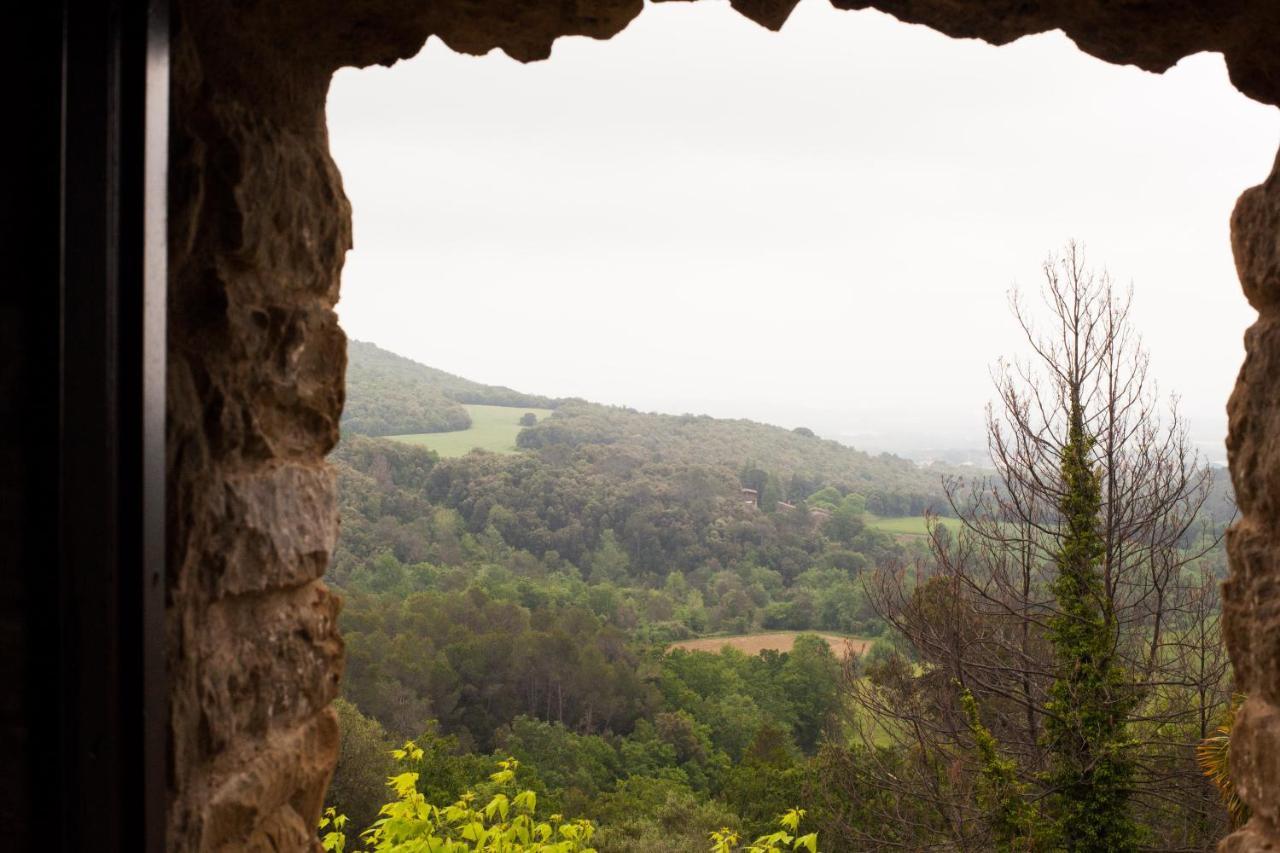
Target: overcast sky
<point x="814" y="227"/>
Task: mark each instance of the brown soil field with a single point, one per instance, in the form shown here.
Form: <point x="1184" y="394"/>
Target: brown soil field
<point x="782" y="641"/>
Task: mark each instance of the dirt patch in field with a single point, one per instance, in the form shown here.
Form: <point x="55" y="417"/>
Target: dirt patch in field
<point x="782" y="641"/>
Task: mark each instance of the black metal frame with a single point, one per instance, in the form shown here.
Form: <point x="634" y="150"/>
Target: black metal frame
<point x="83" y="471"/>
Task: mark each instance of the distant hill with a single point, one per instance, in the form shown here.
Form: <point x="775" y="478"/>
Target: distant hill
<point x="796" y="460"/>
<point x="388" y="394"/>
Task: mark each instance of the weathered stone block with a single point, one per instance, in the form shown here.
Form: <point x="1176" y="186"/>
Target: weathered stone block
<point x="1255" y="241"/>
<point x="277" y="529"/>
<point x="267" y="790"/>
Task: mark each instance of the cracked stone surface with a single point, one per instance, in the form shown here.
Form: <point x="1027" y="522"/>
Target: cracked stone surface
<point x="259" y="227"/>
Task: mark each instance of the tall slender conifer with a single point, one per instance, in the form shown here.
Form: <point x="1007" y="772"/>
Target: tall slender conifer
<point x="1090" y="775"/>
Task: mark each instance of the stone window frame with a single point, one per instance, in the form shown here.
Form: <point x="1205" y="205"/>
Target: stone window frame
<point x="258" y="227"/>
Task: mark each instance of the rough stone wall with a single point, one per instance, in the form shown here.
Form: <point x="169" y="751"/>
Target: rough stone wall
<point x="1252" y="595"/>
<point x="259" y="228"/>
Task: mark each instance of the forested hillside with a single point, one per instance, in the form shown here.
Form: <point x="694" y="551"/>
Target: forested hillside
<point x="655" y="530"/>
<point x="528" y="605"/>
<point x="523" y="605"/>
<point x="388" y="394"/>
<point x="483" y="629"/>
<point x="790" y="464"/>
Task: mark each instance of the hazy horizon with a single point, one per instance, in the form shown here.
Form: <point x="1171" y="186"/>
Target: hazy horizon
<point x="815" y="227"/>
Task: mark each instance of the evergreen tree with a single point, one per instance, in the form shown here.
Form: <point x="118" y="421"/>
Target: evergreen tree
<point x="1075" y="601"/>
<point x="1090" y="774"/>
<point x="771" y="494"/>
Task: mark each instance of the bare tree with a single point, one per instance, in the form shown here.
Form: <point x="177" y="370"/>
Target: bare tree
<point x="979" y="616"/>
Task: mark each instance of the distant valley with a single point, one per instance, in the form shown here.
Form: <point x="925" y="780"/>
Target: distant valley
<point x="649" y="611"/>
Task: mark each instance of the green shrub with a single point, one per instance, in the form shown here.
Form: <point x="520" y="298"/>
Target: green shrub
<point x="498" y="818"/>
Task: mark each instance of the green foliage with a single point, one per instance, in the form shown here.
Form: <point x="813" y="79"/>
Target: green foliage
<point x="828" y="497"/>
<point x="770" y="494"/>
<point x="609" y="562"/>
<point x="572" y="768"/>
<point x="768" y="778"/>
<point x="388" y="394"/>
<point x="521" y="605"/>
<point x="494" y="429"/>
<point x="736" y="694"/>
<point x="445" y="769"/>
<point x="1213" y="754"/>
<point x="740" y="570"/>
<point x="1002" y="798"/>
<point x="787" y="838"/>
<point x="811" y="678"/>
<point x="1089" y="700"/>
<point x="364" y="762"/>
<point x="912" y="525"/>
<point x="706" y="712"/>
<point x="846" y="520"/>
<point x="499" y="818"/>
<point x="506" y="822"/>
<point x="752" y="477"/>
<point x="477" y="659"/>
<point x="651" y="814"/>
<point x="737" y="447"/>
<point x="331" y="826"/>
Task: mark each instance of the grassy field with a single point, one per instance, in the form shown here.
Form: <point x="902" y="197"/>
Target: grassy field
<point x="909" y="525"/>
<point x="492" y="428"/>
<point x="782" y="641"/>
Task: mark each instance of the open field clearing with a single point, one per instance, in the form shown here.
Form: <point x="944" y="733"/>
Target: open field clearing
<point x="909" y="525"/>
<point x="492" y="428"/>
<point x="781" y="641"/>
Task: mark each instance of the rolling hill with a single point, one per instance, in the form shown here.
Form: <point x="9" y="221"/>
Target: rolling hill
<point x="388" y="394"/>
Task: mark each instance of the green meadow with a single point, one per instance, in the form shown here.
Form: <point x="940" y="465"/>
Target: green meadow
<point x="909" y="525"/>
<point x="492" y="428"/>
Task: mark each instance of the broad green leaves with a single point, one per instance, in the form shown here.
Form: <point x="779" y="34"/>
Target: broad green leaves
<point x="784" y="840"/>
<point x="507" y="823"/>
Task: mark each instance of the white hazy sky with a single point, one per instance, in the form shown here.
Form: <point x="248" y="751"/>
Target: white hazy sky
<point x="817" y="226"/>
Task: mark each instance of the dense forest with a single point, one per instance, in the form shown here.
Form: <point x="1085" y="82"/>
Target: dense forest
<point x="792" y="464"/>
<point x="498" y="631"/>
<point x="524" y="605"/>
